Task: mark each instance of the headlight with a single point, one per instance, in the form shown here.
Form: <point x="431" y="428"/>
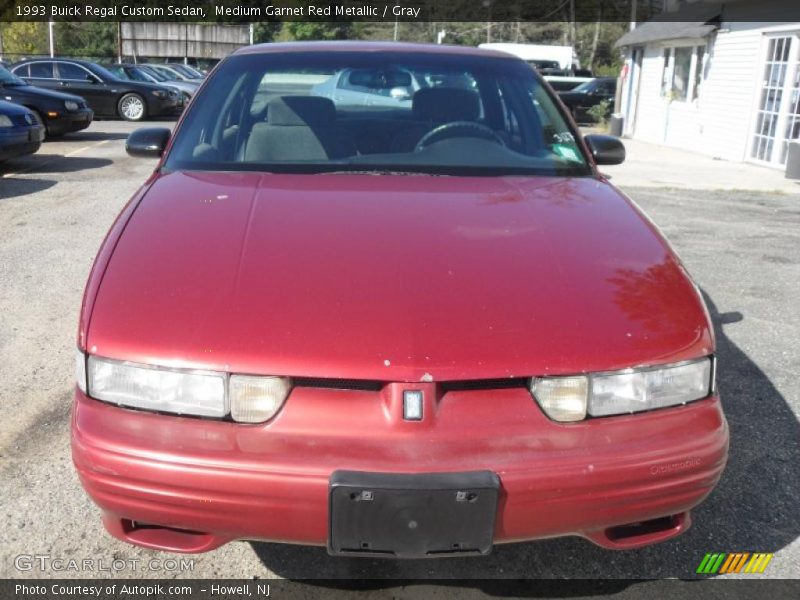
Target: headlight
<point x="5" y="121"/>
<point x="248" y="398"/>
<point x="185" y="392"/>
<point x="562" y="398"/>
<point x="634" y="390"/>
<point x="257" y="399"/>
<point x="160" y="93"/>
<point x="70" y="105"/>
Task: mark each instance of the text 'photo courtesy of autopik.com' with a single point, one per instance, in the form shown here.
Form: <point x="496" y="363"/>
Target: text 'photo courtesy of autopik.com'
<point x="399" y="298"/>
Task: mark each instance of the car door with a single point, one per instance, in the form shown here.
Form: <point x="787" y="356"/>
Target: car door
<point x="40" y="74"/>
<point x="76" y="79"/>
<point x="606" y="90"/>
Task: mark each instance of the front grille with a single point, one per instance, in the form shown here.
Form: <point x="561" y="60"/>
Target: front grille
<point x="366" y="385"/>
<point x="484" y="384"/>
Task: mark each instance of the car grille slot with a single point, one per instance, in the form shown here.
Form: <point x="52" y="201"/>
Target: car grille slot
<point x="484" y="384"/>
<point x="365" y="385"/>
<point x="369" y="385"/>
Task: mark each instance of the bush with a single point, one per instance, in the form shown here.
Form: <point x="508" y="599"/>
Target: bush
<point x="600" y="111"/>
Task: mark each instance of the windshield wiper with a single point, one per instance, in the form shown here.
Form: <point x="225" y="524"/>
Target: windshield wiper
<point x="374" y="172"/>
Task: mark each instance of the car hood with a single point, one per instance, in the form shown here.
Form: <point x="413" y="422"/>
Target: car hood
<point x="395" y="278"/>
<point x="141" y="86"/>
<point x="12" y="110"/>
<point x="187" y="86"/>
<point x="32" y="90"/>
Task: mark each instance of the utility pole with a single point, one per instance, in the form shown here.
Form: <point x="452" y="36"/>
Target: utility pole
<point x="50" y="25"/>
<point x="396" y="25"/>
<point x="252" y="33"/>
<point x="119" y="41"/>
<point x="487" y="4"/>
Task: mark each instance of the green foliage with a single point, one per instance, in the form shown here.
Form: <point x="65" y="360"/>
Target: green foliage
<point x="611" y="70"/>
<point x="303" y="30"/>
<point x="600" y="111"/>
<point x="266" y="31"/>
<point x="96" y="39"/>
<point x="24" y="38"/>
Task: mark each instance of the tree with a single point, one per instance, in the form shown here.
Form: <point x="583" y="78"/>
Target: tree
<point x="304" y="30"/>
<point x="96" y="39"/>
<point x="266" y="31"/>
<point x="24" y="38"/>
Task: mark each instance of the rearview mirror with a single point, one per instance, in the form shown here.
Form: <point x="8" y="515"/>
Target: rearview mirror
<point x="606" y="149"/>
<point x="148" y="142"/>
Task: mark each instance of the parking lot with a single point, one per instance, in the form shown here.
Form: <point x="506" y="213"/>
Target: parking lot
<point x="742" y="247"/>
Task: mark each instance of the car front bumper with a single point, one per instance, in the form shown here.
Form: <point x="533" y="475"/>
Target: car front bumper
<point x="69" y="122"/>
<point x="191" y="485"/>
<point x="162" y="106"/>
<point x="19" y="141"/>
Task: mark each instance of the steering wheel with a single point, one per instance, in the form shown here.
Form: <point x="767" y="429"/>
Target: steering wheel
<point x="458" y="129"/>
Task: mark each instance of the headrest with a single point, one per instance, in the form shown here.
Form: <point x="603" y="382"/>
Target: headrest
<point x="300" y="110"/>
<point x="446" y="104"/>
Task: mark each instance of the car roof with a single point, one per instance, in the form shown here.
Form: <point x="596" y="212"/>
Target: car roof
<point x="56" y="59"/>
<point x="359" y="46"/>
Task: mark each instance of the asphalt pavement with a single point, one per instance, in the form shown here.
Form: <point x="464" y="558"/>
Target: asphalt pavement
<point x="742" y="247"/>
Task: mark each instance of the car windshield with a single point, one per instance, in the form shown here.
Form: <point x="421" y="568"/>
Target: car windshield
<point x="102" y="72"/>
<point x="197" y="73"/>
<point x="154" y="73"/>
<point x="8" y="78"/>
<point x="137" y="74"/>
<point x="376" y="112"/>
<point x="183" y="70"/>
<point x="586" y="86"/>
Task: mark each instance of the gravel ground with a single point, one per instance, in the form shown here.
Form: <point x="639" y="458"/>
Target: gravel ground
<point x="742" y="248"/>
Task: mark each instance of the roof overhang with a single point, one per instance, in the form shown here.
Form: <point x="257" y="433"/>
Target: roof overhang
<point x="692" y="21"/>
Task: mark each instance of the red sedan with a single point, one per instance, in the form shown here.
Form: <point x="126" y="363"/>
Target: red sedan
<point x="403" y="315"/>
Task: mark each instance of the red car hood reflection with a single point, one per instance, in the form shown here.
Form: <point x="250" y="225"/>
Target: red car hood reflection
<point x="394" y="278"/>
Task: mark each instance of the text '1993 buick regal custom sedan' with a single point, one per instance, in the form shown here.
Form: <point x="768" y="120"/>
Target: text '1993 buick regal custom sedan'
<point x="407" y="330"/>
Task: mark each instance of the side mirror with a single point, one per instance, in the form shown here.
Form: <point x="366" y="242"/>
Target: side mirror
<point x="400" y="93"/>
<point x="148" y="142"/>
<point x="92" y="78"/>
<point x="606" y="149"/>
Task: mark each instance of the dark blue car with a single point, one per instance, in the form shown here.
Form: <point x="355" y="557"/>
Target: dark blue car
<point x="21" y="131"/>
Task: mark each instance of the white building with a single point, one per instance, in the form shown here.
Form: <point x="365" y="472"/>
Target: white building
<point x="722" y="82"/>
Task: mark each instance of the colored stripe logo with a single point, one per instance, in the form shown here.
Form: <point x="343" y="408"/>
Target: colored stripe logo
<point x="720" y="563"/>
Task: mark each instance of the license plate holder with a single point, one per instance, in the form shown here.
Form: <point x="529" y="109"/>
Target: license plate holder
<point x="399" y="515"/>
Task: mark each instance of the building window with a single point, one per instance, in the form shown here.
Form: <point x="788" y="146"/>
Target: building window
<point x="774" y="116"/>
<point x="700" y="53"/>
<point x="680" y="73"/>
<point x="665" y="72"/>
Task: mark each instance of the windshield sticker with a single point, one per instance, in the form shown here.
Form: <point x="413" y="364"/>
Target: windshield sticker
<point x="567" y="152"/>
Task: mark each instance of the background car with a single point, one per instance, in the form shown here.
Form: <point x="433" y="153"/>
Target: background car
<point x="21" y="132"/>
<point x="369" y="87"/>
<point x="591" y="93"/>
<point x="61" y="113"/>
<point x="106" y="94"/>
<point x="141" y="73"/>
<point x="171" y="73"/>
<point x="187" y="70"/>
